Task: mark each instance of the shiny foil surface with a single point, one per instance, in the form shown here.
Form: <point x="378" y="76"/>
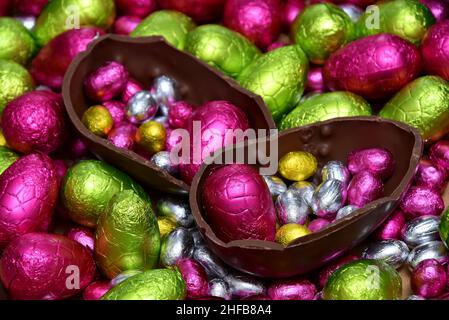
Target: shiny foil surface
<point x="16" y="42"/>
<point x="429" y="250"/>
<point x="139" y="8"/>
<point x="391" y="228"/>
<point x="435" y="49"/>
<point x="290" y="232"/>
<point x="439" y="8"/>
<point x="126" y="24"/>
<point x="200" y="10"/>
<point x="7" y="158"/>
<point x="430" y="175"/>
<point x="98" y="120"/>
<point x="392" y="252"/>
<point x="420" y="201"/>
<point x="331" y="267"/>
<point x="96" y="290"/>
<point x="195" y="278"/>
<point x="429" y="279"/>
<point x="298" y="165"/>
<point x="106" y="82"/>
<point x="294" y="289"/>
<point x="83" y="236"/>
<point x="179" y="114"/>
<point x="439" y="154"/>
<point x="364" y="188"/>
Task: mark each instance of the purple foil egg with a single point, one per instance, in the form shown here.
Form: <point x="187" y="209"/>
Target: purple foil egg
<point x="126" y="24"/>
<point x="179" y="114"/>
<point x="374" y="67"/>
<point x="131" y="88"/>
<point x="195" y="278"/>
<point x="291" y="9"/>
<point x="430" y="175"/>
<point x="238" y="204"/>
<point x="34" y="122"/>
<point x="318" y="224"/>
<point x="439" y="154"/>
<point x="429" y="279"/>
<point x="391" y="229"/>
<point x="315" y="80"/>
<point x="140" y="8"/>
<point x="435" y="49"/>
<point x="364" y="188"/>
<point x="123" y="135"/>
<point x="296" y="289"/>
<point x="329" y="269"/>
<point x="106" y="82"/>
<point x="83" y="236"/>
<point x="96" y="290"/>
<point x="439" y="8"/>
<point x="421" y="201"/>
<point x="378" y="161"/>
<point x="28" y="195"/>
<point x="116" y="109"/>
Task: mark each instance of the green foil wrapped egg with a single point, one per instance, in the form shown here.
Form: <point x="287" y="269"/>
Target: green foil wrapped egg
<point x="172" y="25"/>
<point x="364" y="280"/>
<point x="16" y="42"/>
<point x="14" y="81"/>
<point x="127" y="235"/>
<point x="322" y="29"/>
<point x="409" y="19"/>
<point x="88" y="187"/>
<point x="7" y="158"/>
<point x="278" y="77"/>
<point x="423" y="104"/>
<point x="224" y="49"/>
<point x="157" y="284"/>
<point x="326" y="106"/>
<point x="444" y="227"/>
<point x="61" y="15"/>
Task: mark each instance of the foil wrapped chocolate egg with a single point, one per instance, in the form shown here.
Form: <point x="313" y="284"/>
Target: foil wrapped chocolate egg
<point x="151" y="137"/>
<point x="279" y="77"/>
<point x="439" y="154"/>
<point x="16" y="42"/>
<point x="214" y="267"/>
<point x="200" y="10"/>
<point x="275" y="185"/>
<point x="107" y="82"/>
<point x="96" y="290"/>
<point x="28" y="195"/>
<point x="116" y="110"/>
<point x="364" y="188"/>
<point x="139" y="8"/>
<point x="324" y="107"/>
<point x="290" y="11"/>
<point x="429" y="279"/>
<point x="435" y="50"/>
<point x="40" y="266"/>
<point x="7" y="158"/>
<point x="408" y="19"/>
<point x="235" y="212"/>
<point x="374" y="67"/>
<point x="156" y="284"/>
<point x="290" y="232"/>
<point x="430" y="175"/>
<point x="88" y="187"/>
<point x="439" y="8"/>
<point x="242" y="286"/>
<point x="122" y="136"/>
<point x="165" y="226"/>
<point x="98" y="120"/>
<point x="378" y="161"/>
<point x="420" y="201"/>
<point x="330" y="268"/>
<point x="298" y="165"/>
<point x="364" y="280"/>
<point x="177" y="245"/>
<point x="293" y="206"/>
<point x="179" y="113"/>
<point x="259" y="21"/>
<point x="127" y="235"/>
<point x="162" y="160"/>
<point x="294" y="289"/>
<point x="172" y="25"/>
<point x="328" y="198"/>
<point x="195" y="278"/>
<point x="83" y="236"/>
<point x="429" y="250"/>
<point x="345" y="211"/>
<point x="34" y="122"/>
<point x="391" y="228"/>
<point x="318" y="224"/>
<point x="322" y="29"/>
<point x="175" y="209"/>
<point x="315" y="81"/>
<point x="61" y="15"/>
<point x="422" y="104"/>
<point x="29" y="7"/>
<point x="421" y="230"/>
<point x="392" y="252"/>
<point x="335" y="170"/>
<point x="131" y="88"/>
<point x="142" y="106"/>
<point x="166" y="90"/>
<point x="222" y="48"/>
<point x="219" y="288"/>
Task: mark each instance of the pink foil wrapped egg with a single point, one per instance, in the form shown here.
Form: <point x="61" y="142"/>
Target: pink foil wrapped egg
<point x="209" y="127"/>
<point x="258" y="20"/>
<point x="96" y="290"/>
<point x="421" y="201"/>
<point x="28" y="195"/>
<point x="318" y="224"/>
<point x="174" y="139"/>
<point x="364" y="188"/>
<point x="117" y="110"/>
<point x="200" y="10"/>
<point x="131" y="88"/>
<point x="41" y="266"/>
<point x="179" y="114"/>
<point x="123" y="135"/>
<point x="83" y="236"/>
<point x="29" y="7"/>
<point x="439" y="8"/>
<point x="435" y="49"/>
<point x="5" y="6"/>
<point x="106" y="82"/>
<point x="315" y="80"/>
<point x="195" y="278"/>
<point x="391" y="229"/>
<point x="439" y="154"/>
<point x="60" y="169"/>
<point x="329" y="269"/>
<point x="430" y="175"/>
<point x="126" y="24"/>
<point x="78" y="148"/>
<point x="238" y="204"/>
<point x="374" y="67"/>
<point x="34" y="122"/>
<point x="429" y="279"/>
<point x="139" y="8"/>
<point x="276" y="45"/>
<point x="290" y="10"/>
<point x="378" y="161"/>
<point x="293" y="289"/>
<point x="50" y="65"/>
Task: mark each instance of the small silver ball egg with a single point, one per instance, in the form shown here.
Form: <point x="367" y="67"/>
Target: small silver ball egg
<point x="275" y="185"/>
<point x="219" y="288"/>
<point x="292" y="207"/>
<point x="242" y="286"/>
<point x="336" y="170"/>
<point x="176" y="209"/>
<point x="141" y="107"/>
<point x="328" y="198"/>
<point x="165" y="90"/>
<point x="421" y="230"/>
<point x="211" y="263"/>
<point x="429" y="250"/>
<point x="162" y="160"/>
<point x="177" y="245"/>
<point x="392" y="252"/>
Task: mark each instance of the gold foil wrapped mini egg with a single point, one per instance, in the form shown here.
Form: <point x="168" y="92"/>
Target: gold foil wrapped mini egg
<point x="298" y="165"/>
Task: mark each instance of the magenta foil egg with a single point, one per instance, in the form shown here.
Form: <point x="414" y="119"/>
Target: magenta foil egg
<point x="28" y="194"/>
<point x="258" y="20"/>
<point x="430" y="175"/>
<point x="126" y="24"/>
<point x="131" y="88"/>
<point x="106" y="82"/>
<point x="209" y="129"/>
<point x="374" y="67"/>
<point x="429" y="279"/>
<point x="329" y="269"/>
<point x="83" y="236"/>
<point x="318" y="224"/>
<point x="179" y="113"/>
<point x="78" y="148"/>
<point x="238" y="204"/>
<point x="123" y="135"/>
<point x="50" y="65"/>
<point x="364" y="188"/>
<point x="96" y="290"/>
<point x="29" y="7"/>
<point x="293" y="289"/>
<point x="200" y="10"/>
<point x="195" y="278"/>
<point x="34" y="122"/>
<point x="421" y="201"/>
<point x="60" y="169"/>
<point x="116" y="109"/>
<point x="174" y="138"/>
<point x="435" y="49"/>
<point x="276" y="45"/>
<point x="315" y="80"/>
<point x="139" y="8"/>
<point x="439" y="154"/>
<point x="291" y="9"/>
<point x="378" y="161"/>
<point x="439" y="8"/>
<point x="391" y="229"/>
<point x="41" y="266"/>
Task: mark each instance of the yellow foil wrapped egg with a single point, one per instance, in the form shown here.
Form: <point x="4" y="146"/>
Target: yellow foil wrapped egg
<point x="298" y="165"/>
<point x="290" y="232"/>
<point x="151" y="136"/>
<point x="98" y="120"/>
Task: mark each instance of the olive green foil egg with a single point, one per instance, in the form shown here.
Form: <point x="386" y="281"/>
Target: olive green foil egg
<point x="423" y="104"/>
<point x="157" y="284"/>
<point x="326" y="106"/>
<point x="88" y="187"/>
<point x="224" y="49"/>
<point x="322" y="29"/>
<point x="14" y="81"/>
<point x="278" y="77"/>
<point x="364" y="280"/>
<point x="409" y="19"/>
<point x="16" y="42"/>
<point x="127" y="236"/>
<point x="61" y="15"/>
<point x="172" y="25"/>
<point x="7" y="158"/>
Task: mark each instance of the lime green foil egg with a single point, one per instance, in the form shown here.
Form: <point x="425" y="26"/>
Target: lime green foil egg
<point x="88" y="187"/>
<point x="16" y="42"/>
<point x="444" y="227"/>
<point x="61" y="15"/>
<point x="224" y="49"/>
<point x="157" y="284"/>
<point x="423" y="104"/>
<point x="127" y="235"/>
<point x="326" y="106"/>
<point x="278" y="77"/>
<point x="14" y="81"/>
<point x="364" y="280"/>
<point x="409" y="19"/>
<point x="7" y="158"/>
<point x="322" y="29"/>
<point x="172" y="25"/>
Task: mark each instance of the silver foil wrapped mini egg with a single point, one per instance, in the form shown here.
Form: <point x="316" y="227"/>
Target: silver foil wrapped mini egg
<point x="345" y="211"/>
<point x="291" y="207"/>
<point x="165" y="90"/>
<point x="162" y="160"/>
<point x="242" y="286"/>
<point x="211" y="263"/>
<point x="175" y="209"/>
<point x="141" y="107"/>
<point x="175" y="246"/>
<point x="336" y="170"/>
<point x="275" y="185"/>
<point x="328" y="198"/>
<point x="392" y="252"/>
<point x="430" y="250"/>
<point x="219" y="288"/>
<point x="421" y="230"/>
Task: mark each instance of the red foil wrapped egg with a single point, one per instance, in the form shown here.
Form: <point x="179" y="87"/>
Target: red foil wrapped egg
<point x="123" y="135"/>
<point x="126" y="24"/>
<point x="238" y="204"/>
<point x="200" y="10"/>
<point x="435" y="49"/>
<point x="139" y="8"/>
<point x="106" y="82"/>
